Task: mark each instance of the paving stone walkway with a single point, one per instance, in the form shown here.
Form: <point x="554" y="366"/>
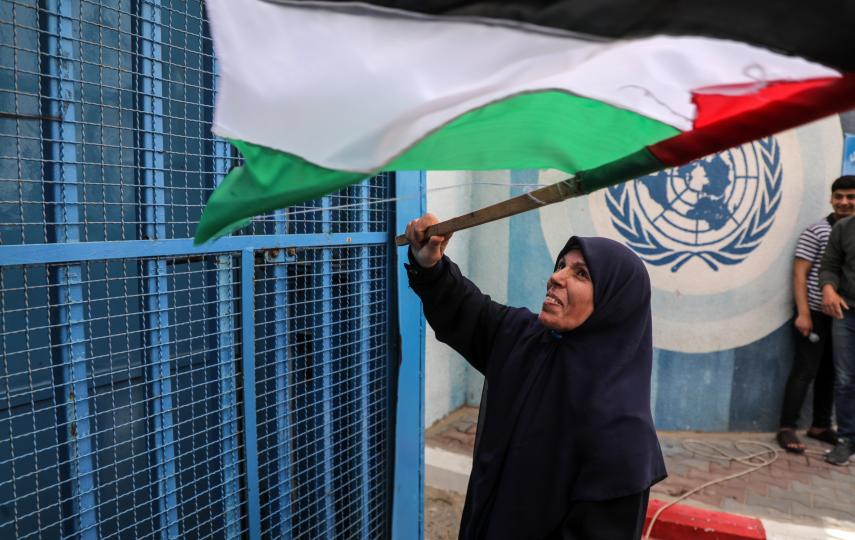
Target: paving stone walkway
<point x="798" y="489"/>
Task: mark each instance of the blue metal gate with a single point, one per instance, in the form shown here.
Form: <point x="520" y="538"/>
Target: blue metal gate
<point x="150" y="387"/>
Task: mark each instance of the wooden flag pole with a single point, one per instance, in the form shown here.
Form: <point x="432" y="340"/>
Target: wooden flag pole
<point x="560" y="191"/>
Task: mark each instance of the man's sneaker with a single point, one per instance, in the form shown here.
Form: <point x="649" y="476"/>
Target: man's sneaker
<point x="841" y="452"/>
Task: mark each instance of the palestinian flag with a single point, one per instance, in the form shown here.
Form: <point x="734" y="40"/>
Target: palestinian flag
<point x="319" y="95"/>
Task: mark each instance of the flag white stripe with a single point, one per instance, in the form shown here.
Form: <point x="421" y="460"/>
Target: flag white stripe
<point x="351" y="92"/>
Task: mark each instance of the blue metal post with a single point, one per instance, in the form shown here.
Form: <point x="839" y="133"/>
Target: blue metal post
<point x="157" y="287"/>
<point x="226" y="363"/>
<point x="250" y="425"/>
<point x="326" y="371"/>
<point x="364" y="367"/>
<point x="61" y="75"/>
<point x="283" y="389"/>
<point x="408" y="505"/>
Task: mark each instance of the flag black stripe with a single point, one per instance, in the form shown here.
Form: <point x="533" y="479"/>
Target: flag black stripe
<point x="820" y="31"/>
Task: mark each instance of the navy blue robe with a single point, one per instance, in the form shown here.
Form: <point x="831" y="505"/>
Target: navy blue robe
<point x="567" y="415"/>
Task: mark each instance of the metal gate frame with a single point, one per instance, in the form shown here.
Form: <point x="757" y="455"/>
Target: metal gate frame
<point x="408" y="507"/>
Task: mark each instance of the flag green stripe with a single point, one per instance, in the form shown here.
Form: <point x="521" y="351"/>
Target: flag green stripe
<point x="542" y="130"/>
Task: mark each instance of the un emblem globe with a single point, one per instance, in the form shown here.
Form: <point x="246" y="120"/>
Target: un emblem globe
<point x="704" y="202"/>
<point x="728" y="293"/>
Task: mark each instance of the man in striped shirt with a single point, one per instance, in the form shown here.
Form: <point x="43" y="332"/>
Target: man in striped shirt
<point x="812" y="362"/>
<point x="837" y="279"/>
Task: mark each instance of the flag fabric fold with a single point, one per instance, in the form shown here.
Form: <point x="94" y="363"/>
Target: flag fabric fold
<point x="318" y="95"/>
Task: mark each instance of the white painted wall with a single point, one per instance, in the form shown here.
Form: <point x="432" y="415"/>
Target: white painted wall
<point x="482" y="254"/>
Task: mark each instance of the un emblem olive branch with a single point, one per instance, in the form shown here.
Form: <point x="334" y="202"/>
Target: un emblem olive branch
<point x="628" y="223"/>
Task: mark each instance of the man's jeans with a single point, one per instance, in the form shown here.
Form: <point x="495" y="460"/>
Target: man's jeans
<point x="843" y="341"/>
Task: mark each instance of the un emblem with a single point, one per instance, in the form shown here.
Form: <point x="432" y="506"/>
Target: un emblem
<point x="717" y="209"/>
<point x="717" y="236"/>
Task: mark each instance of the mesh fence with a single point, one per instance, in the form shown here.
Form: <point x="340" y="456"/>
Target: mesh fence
<point x="88" y="90"/>
<point x="108" y="395"/>
<point x="123" y="409"/>
<point x="322" y="392"/>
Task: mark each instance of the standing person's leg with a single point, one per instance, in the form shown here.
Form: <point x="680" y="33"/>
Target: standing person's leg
<point x="823" y="384"/>
<point x="843" y="338"/>
<point x="806" y="361"/>
<point x="614" y="519"/>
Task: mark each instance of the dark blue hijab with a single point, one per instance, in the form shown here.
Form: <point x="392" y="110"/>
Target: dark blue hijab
<point x="621" y="288"/>
<point x="606" y="376"/>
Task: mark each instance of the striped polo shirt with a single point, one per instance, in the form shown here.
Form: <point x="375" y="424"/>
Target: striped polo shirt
<point x="810" y="247"/>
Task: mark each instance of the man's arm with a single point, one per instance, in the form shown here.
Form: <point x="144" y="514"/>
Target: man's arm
<point x="803" y="322"/>
<point x="829" y="275"/>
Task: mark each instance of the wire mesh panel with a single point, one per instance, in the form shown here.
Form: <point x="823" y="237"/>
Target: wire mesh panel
<point x="321" y="357"/>
<point x="150" y="388"/>
<point x="132" y="76"/>
<point x="61" y="446"/>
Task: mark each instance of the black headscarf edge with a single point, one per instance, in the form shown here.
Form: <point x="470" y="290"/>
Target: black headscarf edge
<point x="620" y="288"/>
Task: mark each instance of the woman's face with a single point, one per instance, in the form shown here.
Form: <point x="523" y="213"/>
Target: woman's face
<point x="569" y="294"/>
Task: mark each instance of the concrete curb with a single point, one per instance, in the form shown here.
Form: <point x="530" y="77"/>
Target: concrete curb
<point x="447" y="470"/>
<point x="779" y="530"/>
<point x="683" y="522"/>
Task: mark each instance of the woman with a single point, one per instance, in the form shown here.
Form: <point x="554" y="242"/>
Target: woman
<point x="566" y="445"/>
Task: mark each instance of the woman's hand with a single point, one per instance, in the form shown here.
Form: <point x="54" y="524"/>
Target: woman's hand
<point x="426" y="251"/>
